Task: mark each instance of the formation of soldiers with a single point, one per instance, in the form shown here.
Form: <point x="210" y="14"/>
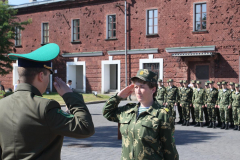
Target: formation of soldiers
<point x="202" y="104"/>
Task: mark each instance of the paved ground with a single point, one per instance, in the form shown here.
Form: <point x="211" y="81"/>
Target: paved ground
<point x="193" y="143"/>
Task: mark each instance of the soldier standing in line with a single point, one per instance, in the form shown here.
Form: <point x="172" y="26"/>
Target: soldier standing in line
<point x="211" y="98"/>
<point x="236" y="107"/>
<point x="232" y="89"/>
<point x="224" y="105"/>
<point x="205" y="108"/>
<point x="198" y="104"/>
<point x="171" y="98"/>
<point x="219" y="85"/>
<point x="161" y="93"/>
<point x="193" y="82"/>
<point x="185" y="102"/>
<point x="178" y="104"/>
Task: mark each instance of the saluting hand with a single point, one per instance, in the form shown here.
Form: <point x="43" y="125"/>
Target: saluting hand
<point x="61" y="86"/>
<point x="124" y="93"/>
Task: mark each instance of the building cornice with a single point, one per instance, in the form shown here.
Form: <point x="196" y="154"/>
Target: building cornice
<point x="83" y="54"/>
<point x="190" y="49"/>
<point x="133" y="51"/>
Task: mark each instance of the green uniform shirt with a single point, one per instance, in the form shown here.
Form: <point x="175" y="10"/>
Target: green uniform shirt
<point x="235" y="99"/>
<point x="198" y="96"/>
<point x="211" y="95"/>
<point x="33" y="127"/>
<point x="186" y="95"/>
<point x="161" y="93"/>
<point x="172" y="95"/>
<point x="2" y="93"/>
<point x="224" y="98"/>
<point x="148" y="136"/>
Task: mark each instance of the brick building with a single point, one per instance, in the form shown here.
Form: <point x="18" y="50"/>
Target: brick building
<point x="187" y="39"/>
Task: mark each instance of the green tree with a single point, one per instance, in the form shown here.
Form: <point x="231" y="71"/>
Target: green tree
<point x="8" y="23"/>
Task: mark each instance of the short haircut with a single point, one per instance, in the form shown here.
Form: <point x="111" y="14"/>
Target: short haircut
<point x="69" y="81"/>
<point x="27" y="75"/>
<point x="150" y="84"/>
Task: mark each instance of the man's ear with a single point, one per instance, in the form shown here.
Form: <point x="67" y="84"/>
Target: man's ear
<point x="40" y="76"/>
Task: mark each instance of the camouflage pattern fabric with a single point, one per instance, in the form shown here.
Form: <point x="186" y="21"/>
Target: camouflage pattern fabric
<point x="171" y="98"/>
<point x="198" y="100"/>
<point x="236" y="104"/>
<point x="211" y="100"/>
<point x="224" y="113"/>
<point x="186" y="110"/>
<point x="149" y="135"/>
<point x="236" y="115"/>
<point x="198" y="111"/>
<point x="224" y="100"/>
<point x="161" y="93"/>
<point x="211" y="111"/>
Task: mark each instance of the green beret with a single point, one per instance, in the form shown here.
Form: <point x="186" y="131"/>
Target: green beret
<point x="236" y="85"/>
<point x="146" y="75"/>
<point x="198" y="82"/>
<point x="184" y="81"/>
<point x="159" y="80"/>
<point x="170" y="80"/>
<point x="193" y="81"/>
<point x="231" y="83"/>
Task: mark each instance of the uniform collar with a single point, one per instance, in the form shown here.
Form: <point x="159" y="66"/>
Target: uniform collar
<point x="28" y="87"/>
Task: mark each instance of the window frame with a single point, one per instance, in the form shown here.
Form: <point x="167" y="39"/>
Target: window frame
<point x="107" y="28"/>
<point x="73" y="33"/>
<point x="194" y="16"/>
<point x="18" y="36"/>
<point x="43" y="31"/>
<point x="147" y="21"/>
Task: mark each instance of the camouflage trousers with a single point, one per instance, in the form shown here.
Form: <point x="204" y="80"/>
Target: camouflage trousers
<point x="180" y="111"/>
<point x="185" y="111"/>
<point x="224" y="113"/>
<point x="172" y="108"/>
<point x="198" y="112"/>
<point x="211" y="112"/>
<point x="236" y="115"/>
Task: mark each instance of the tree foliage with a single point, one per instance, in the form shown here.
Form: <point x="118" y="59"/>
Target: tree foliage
<point x="8" y="23"/>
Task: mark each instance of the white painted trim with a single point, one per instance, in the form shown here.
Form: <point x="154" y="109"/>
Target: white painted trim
<point x="152" y="60"/>
<point x="72" y="30"/>
<point x="103" y="63"/>
<point x="83" y="54"/>
<point x="83" y="63"/>
<point x="194" y="4"/>
<point x="193" y="54"/>
<point x="14" y="72"/>
<point x="133" y="51"/>
<point x="190" y="49"/>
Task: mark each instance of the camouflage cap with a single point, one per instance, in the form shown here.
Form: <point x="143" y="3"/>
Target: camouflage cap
<point x="210" y="82"/>
<point x="236" y="85"/>
<point x="184" y="81"/>
<point x="198" y="82"/>
<point x="224" y="82"/>
<point x="170" y="80"/>
<point x="193" y="81"/>
<point x="146" y="75"/>
<point x="159" y="80"/>
<point x="219" y="83"/>
<point x="206" y="83"/>
<point x="181" y="81"/>
<point x="231" y="83"/>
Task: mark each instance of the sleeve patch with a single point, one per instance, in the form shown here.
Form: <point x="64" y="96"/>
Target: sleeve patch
<point x="166" y="109"/>
<point x="65" y="114"/>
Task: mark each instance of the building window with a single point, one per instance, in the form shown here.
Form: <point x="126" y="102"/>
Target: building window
<point x="111" y="19"/>
<point x="75" y="30"/>
<point x="45" y="33"/>
<point x="18" y="41"/>
<point x="152" y="21"/>
<point x="200" y="16"/>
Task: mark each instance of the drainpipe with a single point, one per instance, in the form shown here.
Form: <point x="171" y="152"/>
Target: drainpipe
<point x="126" y="43"/>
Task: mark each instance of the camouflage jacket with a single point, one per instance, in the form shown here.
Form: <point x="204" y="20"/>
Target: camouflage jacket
<point x="235" y="99"/>
<point x="224" y="98"/>
<point x="179" y="92"/>
<point x="161" y="93"/>
<point x="186" y="95"/>
<point x="211" y="95"/>
<point x="198" y="96"/>
<point x="171" y="95"/>
<point x="148" y="136"/>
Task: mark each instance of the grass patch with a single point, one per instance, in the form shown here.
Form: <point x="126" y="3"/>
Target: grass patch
<point x="87" y="97"/>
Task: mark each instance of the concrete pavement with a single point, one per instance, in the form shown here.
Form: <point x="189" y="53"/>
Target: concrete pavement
<point x="192" y="142"/>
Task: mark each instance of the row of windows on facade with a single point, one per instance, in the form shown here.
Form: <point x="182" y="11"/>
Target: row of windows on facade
<point x="200" y="18"/>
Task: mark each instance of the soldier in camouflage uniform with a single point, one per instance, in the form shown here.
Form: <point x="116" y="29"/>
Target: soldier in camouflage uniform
<point x="224" y="104"/>
<point x="205" y="108"/>
<point x="161" y="93"/>
<point x="147" y="130"/>
<point x="232" y="89"/>
<point x="236" y="107"/>
<point x="198" y="100"/>
<point x="211" y="99"/>
<point x="171" y="98"/>
<point x="219" y="85"/>
<point x="178" y="104"/>
<point x="185" y="97"/>
<point x="193" y="82"/>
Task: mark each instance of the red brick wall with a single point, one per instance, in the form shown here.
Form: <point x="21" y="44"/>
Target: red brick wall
<point x="175" y="25"/>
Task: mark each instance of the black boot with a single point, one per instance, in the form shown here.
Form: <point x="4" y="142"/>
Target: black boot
<point x="180" y="121"/>
<point x="227" y="126"/>
<point x="184" y="123"/>
<point x="197" y="125"/>
<point x="223" y="125"/>
<point x="193" y="122"/>
<point x="206" y="123"/>
<point x="201" y="124"/>
<point x="236" y="127"/>
<point x="214" y="124"/>
<point x="187" y="123"/>
<point x="219" y="124"/>
<point x="210" y="125"/>
<point x="231" y="125"/>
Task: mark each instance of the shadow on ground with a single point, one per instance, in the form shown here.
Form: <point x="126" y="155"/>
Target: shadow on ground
<point x="105" y="136"/>
<point x="185" y="136"/>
